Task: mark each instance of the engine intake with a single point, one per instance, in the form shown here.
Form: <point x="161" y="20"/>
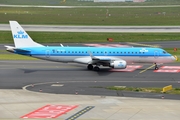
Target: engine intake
<point x="121" y="64"/>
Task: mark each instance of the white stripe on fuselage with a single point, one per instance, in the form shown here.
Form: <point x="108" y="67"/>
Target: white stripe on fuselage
<point x="128" y="59"/>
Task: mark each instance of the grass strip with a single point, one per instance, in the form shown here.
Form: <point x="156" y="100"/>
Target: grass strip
<point x="92" y="16"/>
<point x="148" y="90"/>
<point x="15" y="57"/>
<point x="87" y="3"/>
<point x="74" y="37"/>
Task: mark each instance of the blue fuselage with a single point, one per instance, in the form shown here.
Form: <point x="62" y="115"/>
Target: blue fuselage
<point x="69" y="54"/>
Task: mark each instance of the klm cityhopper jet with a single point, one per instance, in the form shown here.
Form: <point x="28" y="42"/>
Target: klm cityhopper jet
<point x="116" y="58"/>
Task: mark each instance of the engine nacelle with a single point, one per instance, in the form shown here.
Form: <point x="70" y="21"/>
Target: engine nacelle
<point x="121" y="64"/>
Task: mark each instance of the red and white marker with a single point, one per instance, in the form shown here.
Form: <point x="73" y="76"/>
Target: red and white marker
<point x="106" y="45"/>
<point x="171" y="67"/>
<point x="50" y="111"/>
<point x="167" y="71"/>
<point x="129" y="68"/>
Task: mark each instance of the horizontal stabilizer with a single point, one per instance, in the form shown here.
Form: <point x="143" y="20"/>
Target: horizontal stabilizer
<point x="13" y="49"/>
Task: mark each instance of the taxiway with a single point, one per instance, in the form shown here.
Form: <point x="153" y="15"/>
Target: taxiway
<point x="62" y="78"/>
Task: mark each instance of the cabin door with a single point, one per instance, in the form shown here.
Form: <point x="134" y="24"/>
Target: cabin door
<point x="156" y="54"/>
<point x="47" y="53"/>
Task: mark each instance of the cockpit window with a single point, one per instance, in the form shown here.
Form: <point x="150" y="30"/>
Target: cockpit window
<point x="164" y="52"/>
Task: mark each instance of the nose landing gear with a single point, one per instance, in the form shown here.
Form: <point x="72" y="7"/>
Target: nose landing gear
<point x="156" y="67"/>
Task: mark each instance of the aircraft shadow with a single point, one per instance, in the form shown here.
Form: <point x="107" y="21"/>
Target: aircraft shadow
<point x="101" y="72"/>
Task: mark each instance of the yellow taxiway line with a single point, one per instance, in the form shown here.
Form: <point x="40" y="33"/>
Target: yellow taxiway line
<point x="147" y="68"/>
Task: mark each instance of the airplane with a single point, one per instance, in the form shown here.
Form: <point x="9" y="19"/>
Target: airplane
<point x="93" y="57"/>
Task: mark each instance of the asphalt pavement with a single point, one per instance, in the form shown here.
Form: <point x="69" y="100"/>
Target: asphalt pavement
<point x="62" y="78"/>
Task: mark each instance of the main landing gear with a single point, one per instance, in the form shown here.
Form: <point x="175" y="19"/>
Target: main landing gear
<point x="96" y="68"/>
<point x="90" y="67"/>
<point x="156" y="67"/>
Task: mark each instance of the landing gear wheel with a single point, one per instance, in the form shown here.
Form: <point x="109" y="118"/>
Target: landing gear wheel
<point x="156" y="67"/>
<point x="90" y="67"/>
<point x="96" y="68"/>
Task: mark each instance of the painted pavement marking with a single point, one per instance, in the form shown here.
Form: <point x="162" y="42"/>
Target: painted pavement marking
<point x="139" y="44"/>
<point x="129" y="68"/>
<point x="171" y="67"/>
<point x="107" y="45"/>
<point x="147" y="68"/>
<point x="50" y="111"/>
<point x="81" y="112"/>
<point x="168" y="69"/>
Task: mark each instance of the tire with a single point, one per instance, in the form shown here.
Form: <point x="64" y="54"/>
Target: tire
<point x="90" y="67"/>
<point x="96" y="68"/>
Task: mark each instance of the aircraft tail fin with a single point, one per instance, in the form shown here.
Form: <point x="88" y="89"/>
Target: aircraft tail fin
<point x="21" y="38"/>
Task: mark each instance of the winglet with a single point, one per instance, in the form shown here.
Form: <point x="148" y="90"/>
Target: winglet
<point x="92" y="57"/>
<point x="62" y="45"/>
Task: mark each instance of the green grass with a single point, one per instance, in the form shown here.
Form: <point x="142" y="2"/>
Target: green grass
<point x="149" y="90"/>
<point x="171" y="51"/>
<point x="92" y="16"/>
<point x="77" y="3"/>
<point x="68" y="37"/>
<point x="15" y="57"/>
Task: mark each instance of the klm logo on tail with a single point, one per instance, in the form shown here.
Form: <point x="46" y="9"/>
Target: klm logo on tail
<point x="20" y="35"/>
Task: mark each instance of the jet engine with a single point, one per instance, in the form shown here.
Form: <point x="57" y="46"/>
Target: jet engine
<point x="121" y="64"/>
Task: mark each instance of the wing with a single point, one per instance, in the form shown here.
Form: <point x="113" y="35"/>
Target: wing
<point x="96" y="60"/>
